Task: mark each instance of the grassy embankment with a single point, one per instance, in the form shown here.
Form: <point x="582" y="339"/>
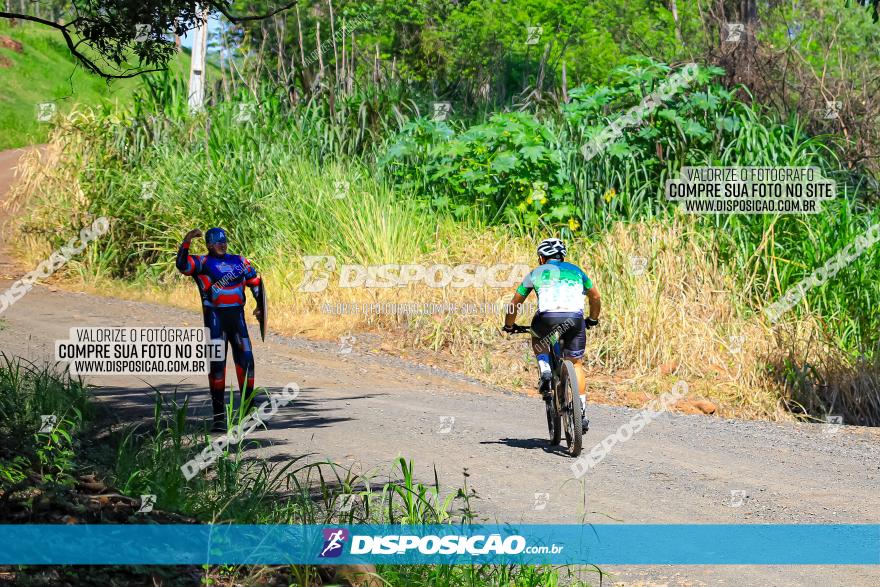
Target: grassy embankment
<point x="45" y="72"/>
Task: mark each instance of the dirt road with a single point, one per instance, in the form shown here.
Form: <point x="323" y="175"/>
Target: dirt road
<point x="362" y="408"/>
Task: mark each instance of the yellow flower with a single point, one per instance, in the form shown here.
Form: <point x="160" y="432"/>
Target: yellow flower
<point x="609" y="194"/>
<point x="543" y="201"/>
<point x="573" y="224"/>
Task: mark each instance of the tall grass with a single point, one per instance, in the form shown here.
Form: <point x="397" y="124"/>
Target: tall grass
<point x="274" y="185"/>
<point x="703" y="125"/>
<point x="240" y="488"/>
<point x="28" y="393"/>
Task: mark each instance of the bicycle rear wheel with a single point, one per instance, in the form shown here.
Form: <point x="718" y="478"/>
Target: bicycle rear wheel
<point x="571" y="410"/>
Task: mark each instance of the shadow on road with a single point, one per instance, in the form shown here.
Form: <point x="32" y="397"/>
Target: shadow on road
<point x="531" y="444"/>
<point x="135" y="404"/>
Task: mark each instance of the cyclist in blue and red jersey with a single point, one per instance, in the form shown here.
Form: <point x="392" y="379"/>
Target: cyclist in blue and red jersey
<point x="221" y="279"/>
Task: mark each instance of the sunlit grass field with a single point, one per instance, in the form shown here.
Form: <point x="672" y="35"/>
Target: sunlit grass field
<point x="45" y="72"/>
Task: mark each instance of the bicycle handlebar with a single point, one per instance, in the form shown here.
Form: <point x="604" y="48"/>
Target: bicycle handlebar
<point x="519" y="329"/>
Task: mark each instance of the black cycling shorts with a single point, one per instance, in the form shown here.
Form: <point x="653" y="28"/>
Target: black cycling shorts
<point x="569" y="327"/>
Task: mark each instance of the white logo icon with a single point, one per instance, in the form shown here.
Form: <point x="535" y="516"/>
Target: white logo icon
<point x="446" y="424"/>
<point x="45" y="111"/>
<point x="317" y="272"/>
<point x="47" y="423"/>
<point x="346" y="501"/>
<point x="832" y="109"/>
<point x="833" y="422"/>
<point x="147" y="502"/>
<point x="346" y="344"/>
<point x="736" y="343"/>
<point x="737" y="497"/>
<point x="142" y="32"/>
<point x="533" y="34"/>
<point x="148" y="190"/>
<point x="541" y="500"/>
<point x="442" y="110"/>
<point x="733" y="32"/>
<point x="638" y="265"/>
<point x="245" y="113"/>
<point x="340" y="189"/>
<point x="335" y="543"/>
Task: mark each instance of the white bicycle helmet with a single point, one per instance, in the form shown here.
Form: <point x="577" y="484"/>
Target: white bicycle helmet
<point x="550" y="247"/>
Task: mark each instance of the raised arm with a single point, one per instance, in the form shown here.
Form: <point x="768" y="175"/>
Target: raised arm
<point x="186" y="263"/>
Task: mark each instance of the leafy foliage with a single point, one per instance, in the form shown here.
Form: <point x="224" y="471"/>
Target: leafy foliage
<point x="528" y="168"/>
<point x="508" y="164"/>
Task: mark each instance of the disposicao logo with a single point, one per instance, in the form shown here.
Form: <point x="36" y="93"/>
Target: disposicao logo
<point x="334" y="539"/>
<point x="478" y="545"/>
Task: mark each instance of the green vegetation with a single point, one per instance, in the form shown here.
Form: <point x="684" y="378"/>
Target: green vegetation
<point x="45" y="72"/>
<point x="26" y="394"/>
<point x="339" y="155"/>
<point x="258" y="162"/>
<point x="335" y="155"/>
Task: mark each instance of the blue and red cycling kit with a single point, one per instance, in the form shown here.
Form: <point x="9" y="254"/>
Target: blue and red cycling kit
<point x="221" y="280"/>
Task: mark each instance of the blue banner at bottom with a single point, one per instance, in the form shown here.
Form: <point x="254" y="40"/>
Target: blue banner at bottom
<point x="622" y="544"/>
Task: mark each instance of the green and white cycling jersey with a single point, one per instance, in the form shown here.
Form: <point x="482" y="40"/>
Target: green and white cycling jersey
<point x="560" y="286"/>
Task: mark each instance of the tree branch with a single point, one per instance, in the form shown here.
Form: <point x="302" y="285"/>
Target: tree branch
<point x="14" y="15"/>
<point x="85" y="61"/>
<point x="116" y="72"/>
<point x="219" y="7"/>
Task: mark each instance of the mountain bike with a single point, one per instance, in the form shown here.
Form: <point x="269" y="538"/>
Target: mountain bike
<point x="563" y="402"/>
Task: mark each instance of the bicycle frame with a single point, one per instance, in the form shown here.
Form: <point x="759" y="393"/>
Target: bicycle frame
<point x="556" y="365"/>
<point x="560" y="414"/>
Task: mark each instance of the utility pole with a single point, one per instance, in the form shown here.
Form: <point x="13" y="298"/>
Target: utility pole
<point x="197" y="65"/>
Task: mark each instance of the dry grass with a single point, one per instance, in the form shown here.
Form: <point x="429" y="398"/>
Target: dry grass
<point x="673" y="321"/>
<point x="684" y="317"/>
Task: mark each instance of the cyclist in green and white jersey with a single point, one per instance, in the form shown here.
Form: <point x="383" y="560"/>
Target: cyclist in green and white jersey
<point x="560" y="288"/>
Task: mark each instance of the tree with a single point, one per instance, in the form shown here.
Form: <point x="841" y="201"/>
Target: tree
<point x="125" y="38"/>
